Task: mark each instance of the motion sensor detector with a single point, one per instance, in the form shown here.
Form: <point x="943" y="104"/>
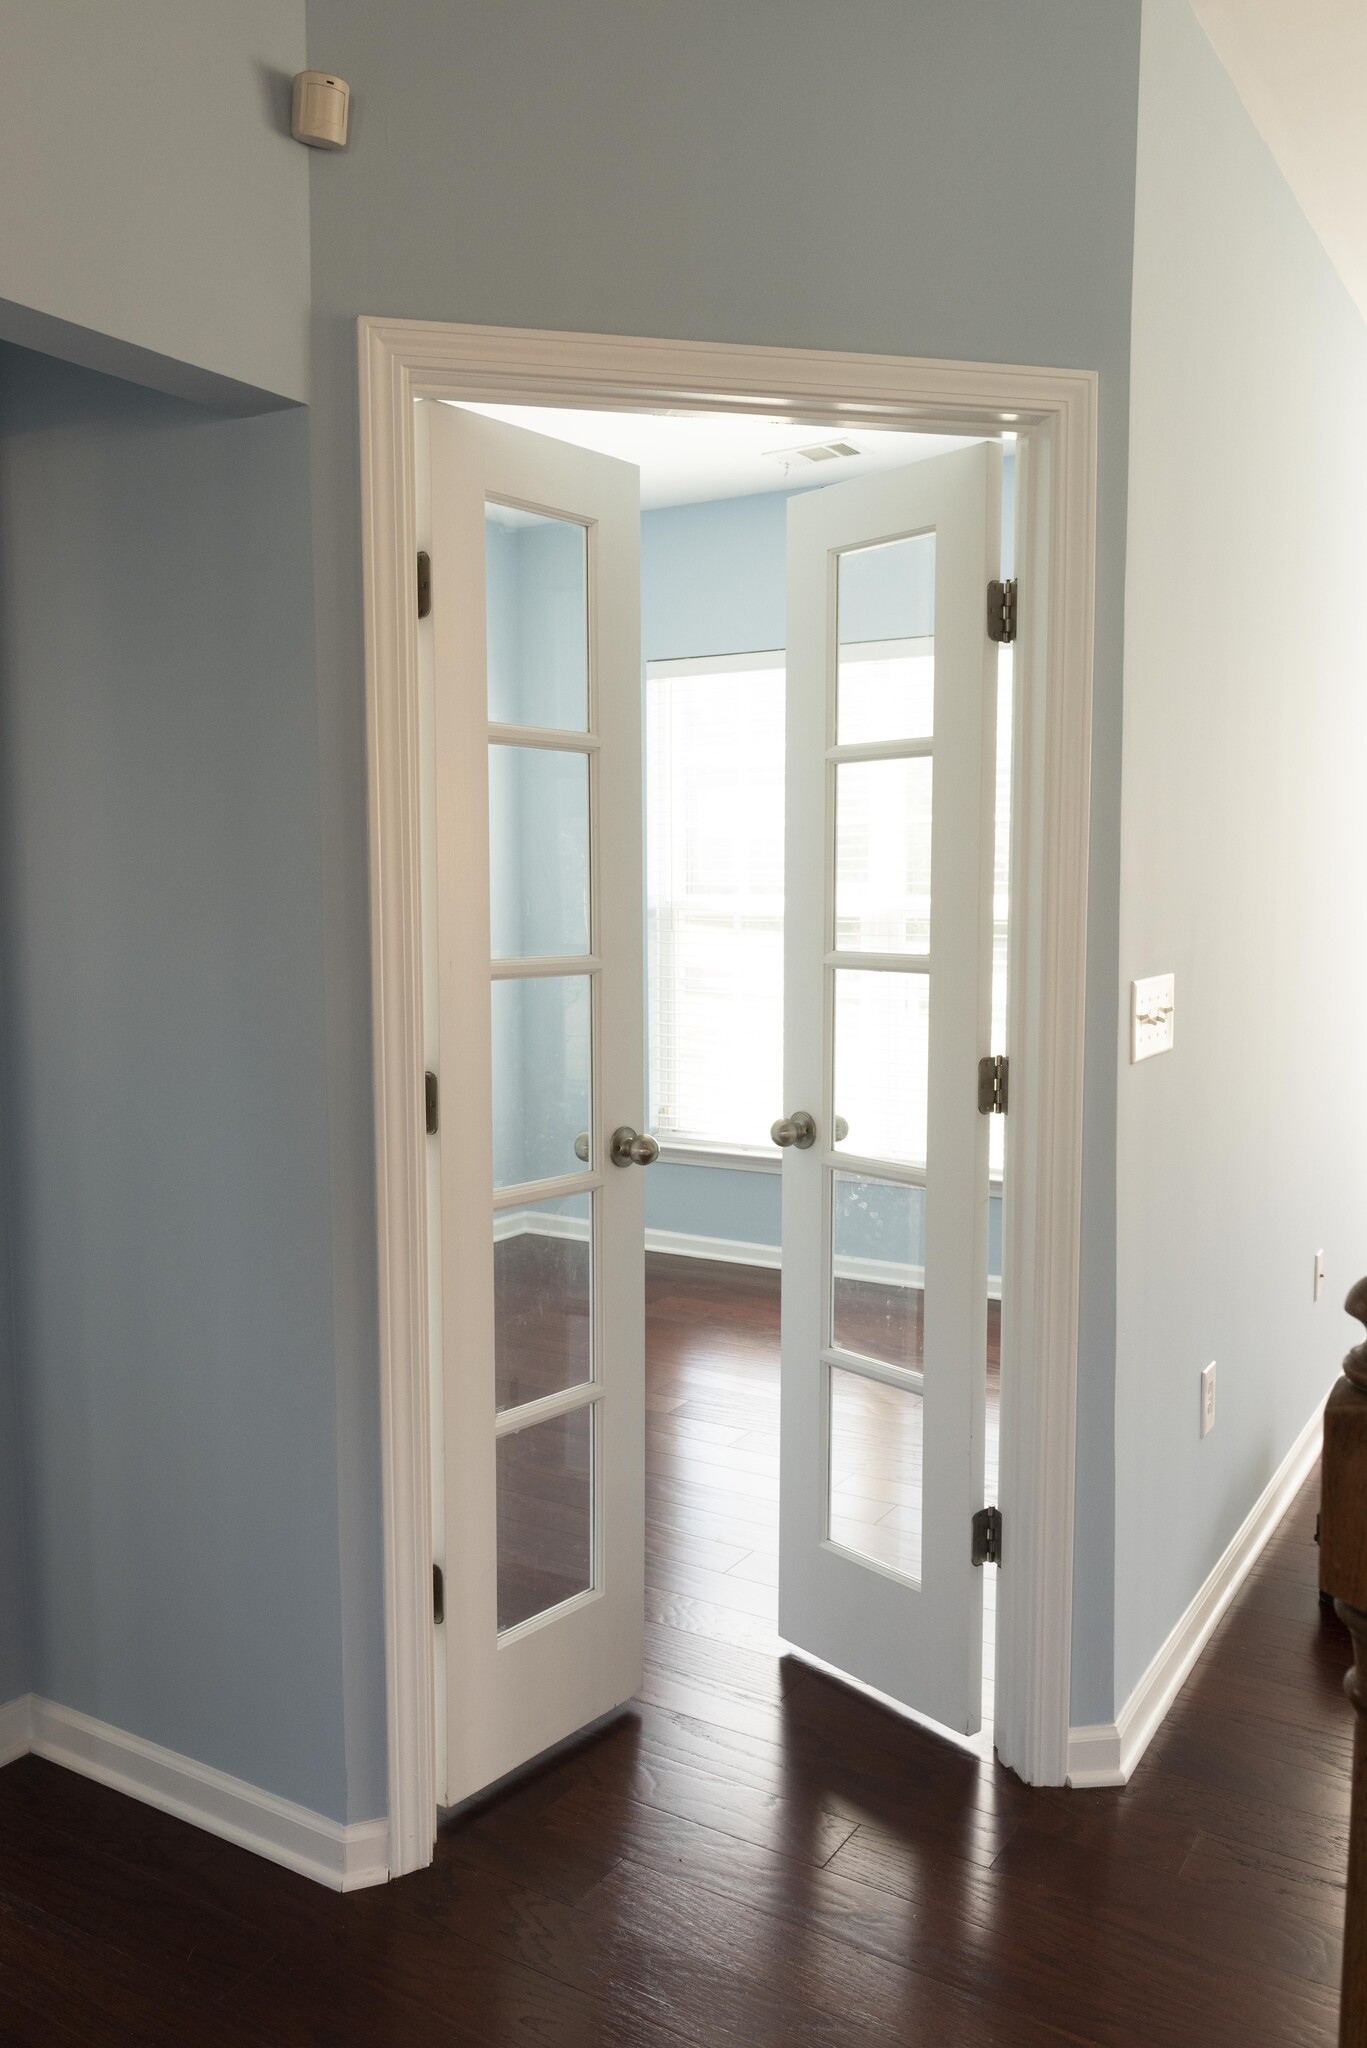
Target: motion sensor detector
<point x="318" y="115"/>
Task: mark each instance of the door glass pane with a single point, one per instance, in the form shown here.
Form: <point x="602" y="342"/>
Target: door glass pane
<point x="886" y="613"/>
<point x="541" y="1047"/>
<point x="875" y="1472"/>
<point x="545" y="1515"/>
<point x="882" y="1023"/>
<point x="882" y="870"/>
<point x="536" y="592"/>
<point x="543" y="1260"/>
<point x="538" y="853"/>
<point x="878" y="1254"/>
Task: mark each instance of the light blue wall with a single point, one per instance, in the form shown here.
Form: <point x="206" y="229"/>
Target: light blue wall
<point x="596" y="166"/>
<point x="163" y="1087"/>
<point x="1240" y="1152"/>
<point x="156" y="207"/>
<point x="606" y="167"/>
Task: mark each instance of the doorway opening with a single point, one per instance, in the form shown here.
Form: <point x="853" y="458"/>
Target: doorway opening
<point x="846" y="1601"/>
<point x="731" y="531"/>
<point x="714" y="495"/>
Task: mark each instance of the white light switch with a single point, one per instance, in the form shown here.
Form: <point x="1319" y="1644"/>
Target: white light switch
<point x="1208" y="1398"/>
<point x="1151" y="1007"/>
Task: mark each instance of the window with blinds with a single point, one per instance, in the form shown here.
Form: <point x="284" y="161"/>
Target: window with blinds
<point x="714" y="893"/>
<point x="714" y="889"/>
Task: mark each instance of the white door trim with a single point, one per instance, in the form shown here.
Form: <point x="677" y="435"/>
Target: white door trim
<point x="1053" y="412"/>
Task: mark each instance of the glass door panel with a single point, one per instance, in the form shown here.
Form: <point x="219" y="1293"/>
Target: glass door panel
<point x="545" y="1516"/>
<point x="882" y="1052"/>
<point x="543" y="1299"/>
<point x="887" y="1013"/>
<point x="877" y="1441"/>
<point x="882" y="855"/>
<point x="885" y="682"/>
<point x="878" y="1253"/>
<point x="538" y="853"/>
<point x="537" y="590"/>
<point x="542" y="1075"/>
<point x="537" y="810"/>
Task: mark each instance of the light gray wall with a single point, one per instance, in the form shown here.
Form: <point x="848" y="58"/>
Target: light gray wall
<point x="164" y="1087"/>
<point x="156" y="209"/>
<point x="1240" y="1152"/>
<point x="934" y="177"/>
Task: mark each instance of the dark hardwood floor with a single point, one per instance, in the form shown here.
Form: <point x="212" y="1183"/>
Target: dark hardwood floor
<point x="752" y="1855"/>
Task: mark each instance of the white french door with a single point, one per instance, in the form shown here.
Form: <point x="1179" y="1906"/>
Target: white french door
<point x="891" y="715"/>
<point x="538" y="940"/>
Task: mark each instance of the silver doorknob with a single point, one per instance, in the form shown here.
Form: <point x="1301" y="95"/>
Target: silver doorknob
<point x="581" y="1146"/>
<point x="798" y="1129"/>
<point x="629" y="1150"/>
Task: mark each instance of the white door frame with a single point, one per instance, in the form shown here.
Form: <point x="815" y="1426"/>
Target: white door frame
<point x="1054" y="415"/>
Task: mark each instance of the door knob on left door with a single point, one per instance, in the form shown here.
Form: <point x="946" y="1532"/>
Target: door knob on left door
<point x="629" y="1150"/>
<point x="798" y="1129"/>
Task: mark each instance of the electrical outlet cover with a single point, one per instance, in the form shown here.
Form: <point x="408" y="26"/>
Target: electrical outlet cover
<point x="1152" y="1002"/>
<point x="1208" y="1398"/>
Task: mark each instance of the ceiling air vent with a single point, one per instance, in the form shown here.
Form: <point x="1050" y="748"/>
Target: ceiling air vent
<point x="820" y="451"/>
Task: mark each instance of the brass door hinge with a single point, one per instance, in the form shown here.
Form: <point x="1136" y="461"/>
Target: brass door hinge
<point x="992" y="1079"/>
<point x="987" y="1536"/>
<point x="1001" y="611"/>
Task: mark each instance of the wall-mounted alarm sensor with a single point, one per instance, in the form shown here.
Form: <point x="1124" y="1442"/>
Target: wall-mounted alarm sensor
<point x="318" y="115"/>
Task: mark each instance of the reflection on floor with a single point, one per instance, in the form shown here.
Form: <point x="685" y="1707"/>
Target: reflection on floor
<point x="712" y="1380"/>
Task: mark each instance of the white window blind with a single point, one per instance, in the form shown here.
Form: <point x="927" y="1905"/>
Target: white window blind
<point x="714" y="867"/>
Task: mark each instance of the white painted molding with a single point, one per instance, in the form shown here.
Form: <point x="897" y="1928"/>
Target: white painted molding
<point x="721" y="1158"/>
<point x="1106" y="1753"/>
<point x="16" y="1734"/>
<point x="344" y="1858"/>
<point x="1054" y="415"/>
<point x="729" y="1251"/>
<point x="1094" y="1756"/>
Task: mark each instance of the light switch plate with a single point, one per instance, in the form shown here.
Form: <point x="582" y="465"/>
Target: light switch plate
<point x="1151" y="1006"/>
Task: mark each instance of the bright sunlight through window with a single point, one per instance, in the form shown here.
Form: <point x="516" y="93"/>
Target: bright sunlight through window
<point x="714" y="865"/>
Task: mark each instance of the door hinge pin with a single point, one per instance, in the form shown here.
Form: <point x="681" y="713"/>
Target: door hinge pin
<point x="430" y="1112"/>
<point x="992" y="1080"/>
<point x="438" y="1596"/>
<point x="424" y="583"/>
<point x="1001" y="610"/>
<point x="987" y="1536"/>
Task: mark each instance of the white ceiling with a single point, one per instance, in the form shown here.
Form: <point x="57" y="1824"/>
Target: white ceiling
<point x="1300" y="67"/>
<point x="687" y="458"/>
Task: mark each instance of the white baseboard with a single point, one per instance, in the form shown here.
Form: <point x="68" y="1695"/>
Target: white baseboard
<point x="731" y="1251"/>
<point x="1106" y="1753"/>
<point x="15" y="1730"/>
<point x="345" y="1858"/>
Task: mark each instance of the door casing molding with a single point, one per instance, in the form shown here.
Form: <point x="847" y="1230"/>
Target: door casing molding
<point x="1054" y="415"/>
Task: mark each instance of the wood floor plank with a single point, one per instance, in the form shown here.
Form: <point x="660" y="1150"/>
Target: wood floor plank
<point x="752" y="1855"/>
